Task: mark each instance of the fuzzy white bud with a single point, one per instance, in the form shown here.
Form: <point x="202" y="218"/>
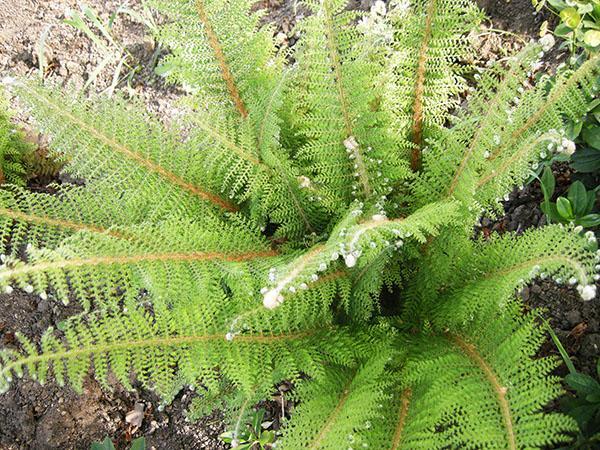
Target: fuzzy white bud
<point x="568" y="146"/>
<point x="304" y="181"/>
<point x="547" y="42"/>
<point x="350" y="143"/>
<point x="588" y="292"/>
<point x="350" y="260"/>
<point x="272" y="299"/>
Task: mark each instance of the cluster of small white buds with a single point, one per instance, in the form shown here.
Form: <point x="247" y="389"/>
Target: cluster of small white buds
<point x="304" y="181"/>
<point x="351" y="144"/>
<point x="547" y="41"/>
<point x="590" y="236"/>
<point x="566" y="147"/>
<point x="350" y="260"/>
<point x="374" y="25"/>
<point x="587" y="292"/>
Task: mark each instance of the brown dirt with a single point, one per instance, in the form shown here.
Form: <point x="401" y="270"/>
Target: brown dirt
<point x="54" y="417"/>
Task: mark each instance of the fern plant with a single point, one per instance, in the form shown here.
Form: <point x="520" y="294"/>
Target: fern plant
<point x="254" y="247"/>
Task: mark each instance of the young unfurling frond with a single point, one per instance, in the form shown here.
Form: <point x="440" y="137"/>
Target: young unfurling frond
<point x="425" y="70"/>
<point x="353" y="240"/>
<point x="498" y="268"/>
<point x="339" y="111"/>
<point x="458" y="154"/>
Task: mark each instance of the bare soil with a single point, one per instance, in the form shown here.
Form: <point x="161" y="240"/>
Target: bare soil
<point x="54" y="417"/>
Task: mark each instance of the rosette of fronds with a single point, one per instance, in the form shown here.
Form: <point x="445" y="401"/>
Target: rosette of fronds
<point x="255" y="248"/>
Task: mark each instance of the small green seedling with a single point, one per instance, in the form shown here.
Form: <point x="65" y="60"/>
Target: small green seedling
<point x="107" y="444"/>
<point x="584" y="405"/>
<point x="587" y="157"/>
<point x="255" y="437"/>
<point x="100" y="32"/>
<point x="579" y="22"/>
<point x="576" y="208"/>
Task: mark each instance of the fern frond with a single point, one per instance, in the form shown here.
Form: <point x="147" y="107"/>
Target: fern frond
<point x="337" y="407"/>
<point x="537" y="119"/>
<point x="459" y="154"/>
<point x="166" y="259"/>
<point x="425" y="70"/>
<point x="44" y="220"/>
<point x="105" y="141"/>
<point x="496" y="269"/>
<point x="338" y="106"/>
<point x="353" y="239"/>
<point x="481" y="387"/>
<point x="189" y="343"/>
<point x="213" y="43"/>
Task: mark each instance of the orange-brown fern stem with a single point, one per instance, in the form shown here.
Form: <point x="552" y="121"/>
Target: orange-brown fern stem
<point x="133" y="259"/>
<point x="140" y="159"/>
<point x="316" y="443"/>
<point x="76" y="226"/>
<point x="343" y="98"/>
<point x="471" y="351"/>
<point x="404" y="404"/>
<point x="165" y="341"/>
<point x="225" y="72"/>
<point x="417" y="122"/>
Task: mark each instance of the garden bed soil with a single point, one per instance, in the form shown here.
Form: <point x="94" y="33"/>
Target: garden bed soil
<point x="54" y="417"/>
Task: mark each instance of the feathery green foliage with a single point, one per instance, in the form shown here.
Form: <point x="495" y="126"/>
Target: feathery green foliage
<point x="13" y="148"/>
<point x="254" y="247"/>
